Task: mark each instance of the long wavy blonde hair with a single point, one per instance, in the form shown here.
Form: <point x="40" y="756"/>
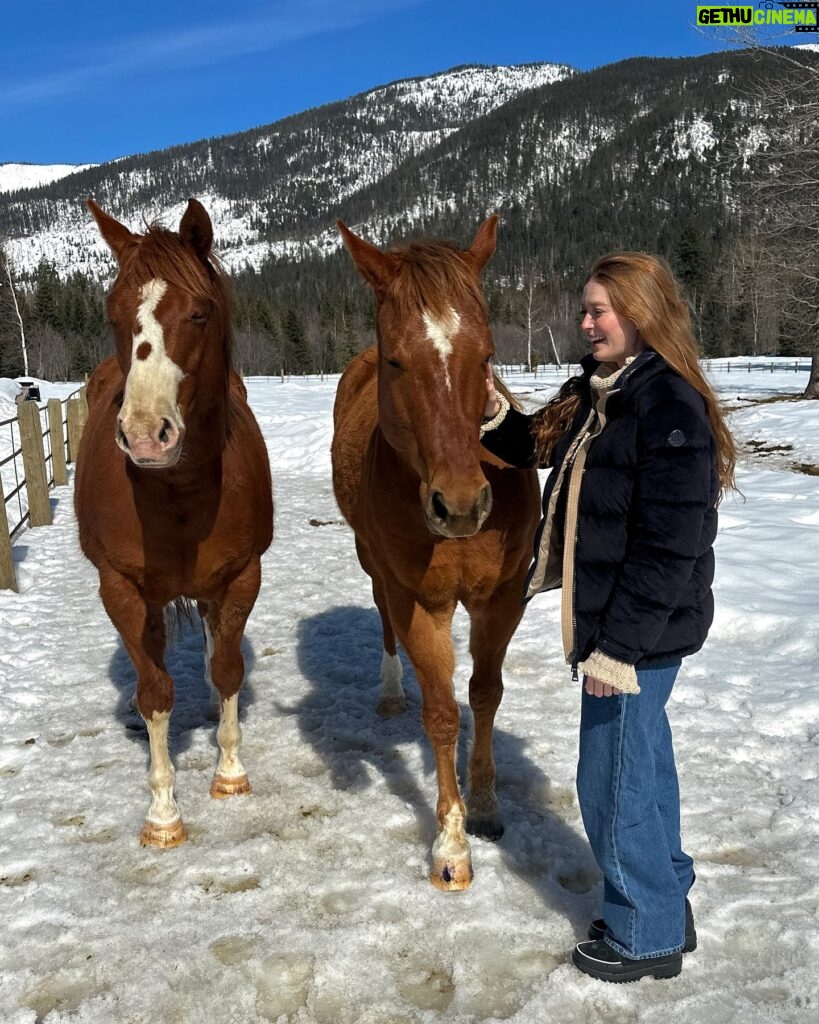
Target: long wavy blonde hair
<point x="643" y="289"/>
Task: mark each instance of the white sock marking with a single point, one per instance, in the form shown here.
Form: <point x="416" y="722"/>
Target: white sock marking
<point x="451" y="840"/>
<point x="163" y="809"/>
<point x="392" y="672"/>
<point x="229" y="736"/>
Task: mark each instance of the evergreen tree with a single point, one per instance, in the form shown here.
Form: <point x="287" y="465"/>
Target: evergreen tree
<point x="295" y="341"/>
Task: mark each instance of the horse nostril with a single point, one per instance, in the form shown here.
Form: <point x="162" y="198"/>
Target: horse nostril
<point x="438" y="506"/>
<point x="123" y="440"/>
<point x="163" y="433"/>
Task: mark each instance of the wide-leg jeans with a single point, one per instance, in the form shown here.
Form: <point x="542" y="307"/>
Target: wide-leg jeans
<point x="630" y="801"/>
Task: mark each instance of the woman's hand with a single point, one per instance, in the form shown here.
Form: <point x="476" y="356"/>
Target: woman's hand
<point x="597" y="688"/>
<point x="493" y="406"/>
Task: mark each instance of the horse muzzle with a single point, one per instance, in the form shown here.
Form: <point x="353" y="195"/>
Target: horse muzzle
<point x="156" y="444"/>
<point x="450" y="516"/>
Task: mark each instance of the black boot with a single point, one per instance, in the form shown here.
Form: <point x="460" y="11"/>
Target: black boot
<point x="599" y="960"/>
<point x="597" y="929"/>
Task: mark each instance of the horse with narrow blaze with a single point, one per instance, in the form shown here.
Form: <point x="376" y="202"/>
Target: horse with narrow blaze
<point x="437" y="518"/>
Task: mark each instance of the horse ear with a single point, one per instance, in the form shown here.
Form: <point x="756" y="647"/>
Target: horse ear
<point x="196" y="230"/>
<point x="116" y="235"/>
<point x="375" y="266"/>
<point x="483" y="244"/>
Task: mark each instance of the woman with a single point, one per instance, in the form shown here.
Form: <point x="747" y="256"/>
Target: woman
<point x="640" y="454"/>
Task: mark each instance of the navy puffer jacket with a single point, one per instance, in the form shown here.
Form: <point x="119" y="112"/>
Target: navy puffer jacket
<point x="647" y="517"/>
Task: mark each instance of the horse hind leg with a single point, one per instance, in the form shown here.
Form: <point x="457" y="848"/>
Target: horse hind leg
<point x="392" y="700"/>
<point x="215" y="707"/>
<point x="493" y="625"/>
<point x="142" y="629"/>
<point x="226" y="621"/>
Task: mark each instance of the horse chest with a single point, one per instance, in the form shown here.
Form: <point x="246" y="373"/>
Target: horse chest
<point x="460" y="570"/>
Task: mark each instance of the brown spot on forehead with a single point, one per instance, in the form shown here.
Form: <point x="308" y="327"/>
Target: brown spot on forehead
<point x="144" y="350"/>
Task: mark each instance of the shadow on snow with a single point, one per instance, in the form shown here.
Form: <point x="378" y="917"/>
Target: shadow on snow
<point x="339" y="655"/>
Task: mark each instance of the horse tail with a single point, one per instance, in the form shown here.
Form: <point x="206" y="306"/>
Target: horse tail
<point x="180" y="611"/>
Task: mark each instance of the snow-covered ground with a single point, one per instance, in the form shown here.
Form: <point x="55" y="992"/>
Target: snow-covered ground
<point x="308" y="901"/>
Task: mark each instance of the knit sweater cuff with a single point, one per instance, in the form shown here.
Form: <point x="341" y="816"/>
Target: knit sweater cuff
<point x="499" y="416"/>
<point x="609" y="670"/>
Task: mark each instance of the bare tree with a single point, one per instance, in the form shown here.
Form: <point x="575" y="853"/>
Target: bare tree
<point x="787" y="196"/>
<point x="534" y="306"/>
<point x="50" y="356"/>
<point x="8" y="284"/>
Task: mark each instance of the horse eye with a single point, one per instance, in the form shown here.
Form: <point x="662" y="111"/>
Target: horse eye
<point x="394" y="363"/>
<point x="199" y="318"/>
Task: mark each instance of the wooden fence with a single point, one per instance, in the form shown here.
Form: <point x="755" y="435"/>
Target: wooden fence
<point x="741" y="366"/>
<point x="48" y="438"/>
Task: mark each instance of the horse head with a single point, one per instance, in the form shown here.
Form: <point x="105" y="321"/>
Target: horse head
<point x="169" y="311"/>
<point x="434" y="344"/>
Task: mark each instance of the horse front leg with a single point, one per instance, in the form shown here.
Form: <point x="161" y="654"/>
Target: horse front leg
<point x="142" y="628"/>
<point x="426" y="635"/>
<point x="226" y="619"/>
<point x="493" y="624"/>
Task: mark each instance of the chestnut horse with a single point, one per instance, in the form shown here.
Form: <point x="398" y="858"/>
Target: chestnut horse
<point x="437" y="518"/>
<point x="173" y="492"/>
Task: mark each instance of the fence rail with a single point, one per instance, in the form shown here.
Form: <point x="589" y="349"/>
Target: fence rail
<point x="48" y="437"/>
<point x="794" y="366"/>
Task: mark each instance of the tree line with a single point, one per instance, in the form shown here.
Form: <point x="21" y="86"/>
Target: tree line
<point x="311" y="317"/>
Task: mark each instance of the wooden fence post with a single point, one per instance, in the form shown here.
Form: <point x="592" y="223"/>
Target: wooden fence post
<point x="72" y="413"/>
<point x="31" y="437"/>
<point x="8" y="579"/>
<point x="83" y="410"/>
<point x="55" y="426"/>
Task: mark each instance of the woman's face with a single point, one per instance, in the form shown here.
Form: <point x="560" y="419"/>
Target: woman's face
<point x="613" y="338"/>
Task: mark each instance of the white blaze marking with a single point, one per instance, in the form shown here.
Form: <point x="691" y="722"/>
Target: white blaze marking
<point x="440" y="333"/>
<point x="151" y="388"/>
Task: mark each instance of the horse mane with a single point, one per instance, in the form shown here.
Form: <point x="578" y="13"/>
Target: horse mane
<point x="430" y="274"/>
<point x="161" y="254"/>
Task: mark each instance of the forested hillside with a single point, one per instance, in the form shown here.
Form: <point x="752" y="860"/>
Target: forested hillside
<point x="643" y="154"/>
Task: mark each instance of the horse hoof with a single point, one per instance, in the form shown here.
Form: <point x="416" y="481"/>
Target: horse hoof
<point x="451" y="874"/>
<point x="485" y="827"/>
<point x="222" y="786"/>
<point x="390" y="707"/>
<point x="163" y="837"/>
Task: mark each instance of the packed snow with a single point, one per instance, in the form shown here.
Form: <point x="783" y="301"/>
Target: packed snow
<point x="308" y="900"/>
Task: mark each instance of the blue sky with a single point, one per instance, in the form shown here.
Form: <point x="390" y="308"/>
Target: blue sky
<point x="87" y="81"/>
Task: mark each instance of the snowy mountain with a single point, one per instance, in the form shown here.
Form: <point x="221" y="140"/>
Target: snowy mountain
<point x="631" y="154"/>
<point x="259" y="184"/>
<point x="16" y="177"/>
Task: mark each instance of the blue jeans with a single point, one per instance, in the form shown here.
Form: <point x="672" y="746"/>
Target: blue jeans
<point x="630" y="802"/>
